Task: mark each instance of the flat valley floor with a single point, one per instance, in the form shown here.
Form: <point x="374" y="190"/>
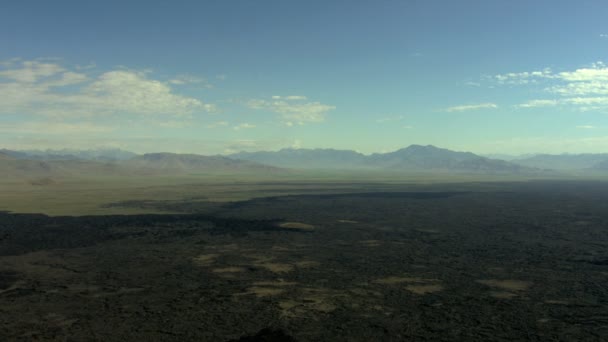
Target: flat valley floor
<point x="524" y="261"/>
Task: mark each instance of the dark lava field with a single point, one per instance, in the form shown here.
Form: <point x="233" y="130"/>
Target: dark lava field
<point x="522" y="261"/>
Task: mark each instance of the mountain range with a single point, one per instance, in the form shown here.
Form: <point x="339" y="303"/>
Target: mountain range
<point x="414" y="158"/>
<point x="105" y="154"/>
<point x="145" y="165"/>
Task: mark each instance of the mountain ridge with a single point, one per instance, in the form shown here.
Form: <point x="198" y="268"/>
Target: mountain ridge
<point x="411" y="158"/>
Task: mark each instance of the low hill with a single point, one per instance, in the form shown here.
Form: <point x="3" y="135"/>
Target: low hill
<point x="193" y="163"/>
<point x="563" y="161"/>
<point x="306" y="158"/>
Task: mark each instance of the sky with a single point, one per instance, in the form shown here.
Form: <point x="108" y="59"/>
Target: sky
<point x="217" y="77"/>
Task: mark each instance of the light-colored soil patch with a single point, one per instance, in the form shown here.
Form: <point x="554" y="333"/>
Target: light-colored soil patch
<point x="399" y="280"/>
<point x="120" y="291"/>
<point x="307" y="264"/>
<point x="277" y="283"/>
<point x="364" y="292"/>
<point x="296" y="225"/>
<point x="205" y="259"/>
<point x="311" y="301"/>
<point x="428" y="230"/>
<point x="415" y="285"/>
<point x="347" y="221"/>
<point x="507" y="284"/>
<point x="424" y="288"/>
<point x="281" y="248"/>
<point x="276" y="267"/>
<point x="58" y="320"/>
<point x="260" y="291"/>
<point x="232" y="269"/>
<point x="259" y="259"/>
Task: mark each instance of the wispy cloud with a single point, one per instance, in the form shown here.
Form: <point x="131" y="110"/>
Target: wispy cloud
<point x="539" y="103"/>
<point x="243" y="126"/>
<point x="189" y="79"/>
<point x="586" y="127"/>
<point x="519" y="78"/>
<point x="293" y="109"/>
<point x="584" y="88"/>
<point x="289" y="97"/>
<point x="469" y="107"/>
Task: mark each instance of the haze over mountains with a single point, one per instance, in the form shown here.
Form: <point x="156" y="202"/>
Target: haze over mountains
<point x="415" y="158"/>
<point x="106" y="154"/>
<point x="412" y="158"/>
<point x="145" y="165"/>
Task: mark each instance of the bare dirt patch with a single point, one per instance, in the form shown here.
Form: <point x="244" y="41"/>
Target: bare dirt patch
<point x="297" y="225"/>
<point x="277" y="283"/>
<point x="424" y="288"/>
<point x="507" y="284"/>
<point x="307" y="264"/>
<point x="205" y="259"/>
<point x="276" y="267"/>
<point x="399" y="280"/>
<point x="231" y="269"/>
<point x="309" y="301"/>
<point x="260" y="291"/>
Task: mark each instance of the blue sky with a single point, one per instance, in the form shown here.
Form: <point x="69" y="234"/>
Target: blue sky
<point x="221" y="76"/>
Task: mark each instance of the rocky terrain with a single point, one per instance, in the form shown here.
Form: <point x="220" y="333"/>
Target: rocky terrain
<point x="525" y="261"/>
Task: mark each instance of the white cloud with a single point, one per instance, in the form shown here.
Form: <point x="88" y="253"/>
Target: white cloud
<point x="519" y="78"/>
<point x="584" y="88"/>
<point x="469" y="107"/>
<point x="293" y="109"/>
<point x="580" y="88"/>
<point x="408" y="127"/>
<point x="243" y="126"/>
<point x="31" y="72"/>
<point x="34" y="88"/>
<point x="289" y="97"/>
<point x="597" y="72"/>
<point x="603" y="35"/>
<point x="586" y="127"/>
<point x="539" y="103"/>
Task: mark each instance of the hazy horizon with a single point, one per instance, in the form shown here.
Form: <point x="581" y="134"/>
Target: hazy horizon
<point x="217" y="78"/>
